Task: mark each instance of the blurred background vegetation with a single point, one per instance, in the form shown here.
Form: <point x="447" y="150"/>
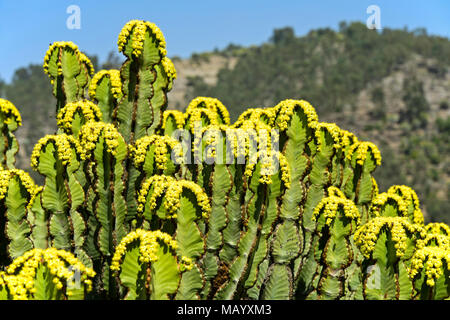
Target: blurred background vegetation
<point x="389" y="87"/>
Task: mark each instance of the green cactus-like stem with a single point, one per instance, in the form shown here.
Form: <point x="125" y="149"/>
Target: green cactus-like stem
<point x="429" y="272"/>
<point x="56" y="158"/>
<point x="69" y="71"/>
<point x="362" y="159"/>
<point x="19" y="191"/>
<point x="337" y="219"/>
<point x="274" y="244"/>
<point x="149" y="266"/>
<point x="10" y="120"/>
<point x="322" y="148"/>
<point x="180" y="208"/>
<point x="384" y="269"/>
<point x="106" y="150"/>
<point x="106" y="89"/>
<point x="38" y="218"/>
<point x="254" y="213"/>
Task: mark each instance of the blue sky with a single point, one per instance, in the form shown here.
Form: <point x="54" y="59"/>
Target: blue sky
<point x="28" y="27"/>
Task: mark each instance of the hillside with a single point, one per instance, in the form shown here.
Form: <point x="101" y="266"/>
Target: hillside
<point x="391" y="88"/>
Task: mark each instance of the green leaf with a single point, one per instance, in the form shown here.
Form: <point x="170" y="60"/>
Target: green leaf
<point x="286" y="244"/>
<point x="279" y="283"/>
<point x="45" y="288"/>
<point x="164" y="274"/>
<point x="133" y="273"/>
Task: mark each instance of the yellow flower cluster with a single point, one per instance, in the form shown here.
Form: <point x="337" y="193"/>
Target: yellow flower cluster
<point x="10" y="112"/>
<point x="362" y="148"/>
<point x="367" y="235"/>
<point x="409" y="196"/>
<point x="59" y="45"/>
<point x="332" y="129"/>
<point x="57" y="262"/>
<point x="15" y="285"/>
<point x="177" y="115"/>
<point x="212" y="138"/>
<point x="384" y="198"/>
<point x="91" y="132"/>
<point x="84" y="59"/>
<point x="243" y="135"/>
<point x="4" y="182"/>
<point x="246" y="115"/>
<point x="265" y="115"/>
<point x="430" y="258"/>
<point x="196" y="115"/>
<point x="160" y="184"/>
<point x="286" y="109"/>
<point x="330" y="206"/>
<point x="438" y="228"/>
<point x="212" y="104"/>
<point x="376" y="191"/>
<point x="335" y="191"/>
<point x="25" y="179"/>
<point x="161" y="143"/>
<point x="173" y="195"/>
<point x="210" y="135"/>
<point x="267" y="160"/>
<point x="434" y="240"/>
<point x="134" y="30"/>
<point x="149" y="243"/>
<point x="116" y="83"/>
<point x="169" y="68"/>
<point x="347" y="139"/>
<point x="63" y="144"/>
<point x="89" y="110"/>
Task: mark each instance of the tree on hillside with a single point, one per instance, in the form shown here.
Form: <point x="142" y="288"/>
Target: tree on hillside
<point x="282" y="36"/>
<point x="417" y="107"/>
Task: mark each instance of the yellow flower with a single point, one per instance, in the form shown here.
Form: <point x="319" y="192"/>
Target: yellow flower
<point x="134" y="31"/>
<point x="286" y="108"/>
<point x="9" y="112"/>
<point x="69" y="46"/>
<point x="438" y="228"/>
<point x="400" y="229"/>
<point x="90" y="134"/>
<point x="268" y="162"/>
<point x="149" y="243"/>
<point x="362" y="149"/>
<point x="173" y="196"/>
<point x="410" y="198"/>
<point x="383" y="199"/>
<point x="332" y="129"/>
<point x="264" y="115"/>
<point x="169" y="68"/>
<point x="64" y="144"/>
<point x="216" y="107"/>
<point x="116" y="83"/>
<point x="89" y="110"/>
<point x="160" y="183"/>
<point x="61" y="265"/>
<point x="163" y="148"/>
<point x="335" y="203"/>
<point x="25" y="180"/>
<point x="431" y="259"/>
<point x="178" y="116"/>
